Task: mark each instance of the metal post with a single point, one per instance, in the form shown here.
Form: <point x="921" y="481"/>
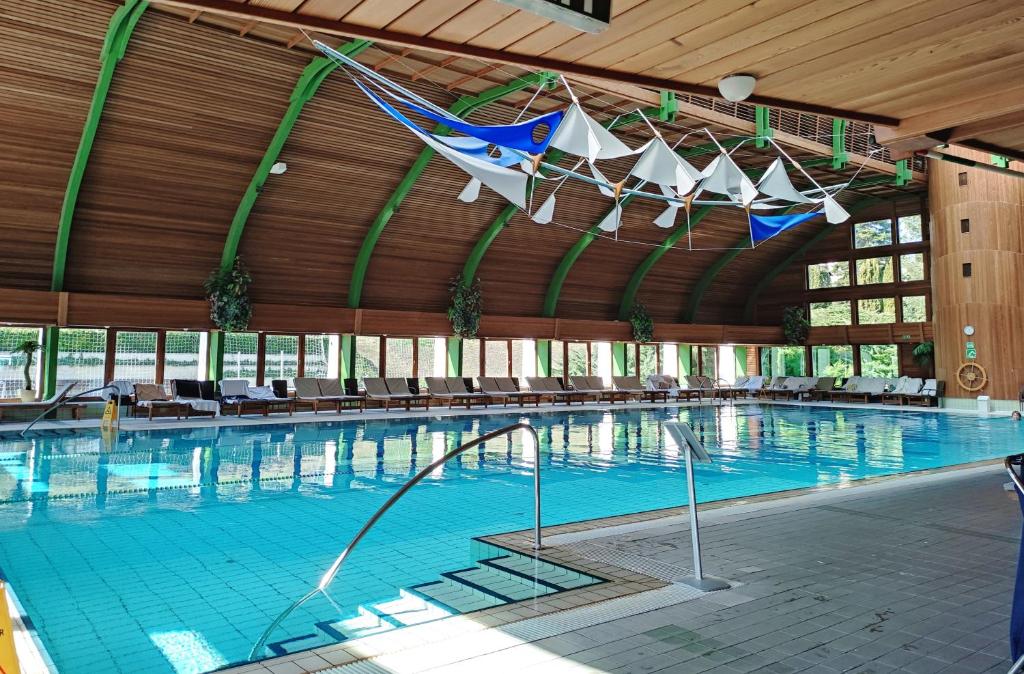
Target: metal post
<point x="691" y="492"/>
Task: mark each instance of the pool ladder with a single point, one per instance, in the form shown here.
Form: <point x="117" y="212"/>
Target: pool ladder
<point x="64" y="401"/>
<point x="335" y="568"/>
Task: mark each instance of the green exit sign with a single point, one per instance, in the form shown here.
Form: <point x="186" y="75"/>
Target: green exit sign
<point x="970" y="352"/>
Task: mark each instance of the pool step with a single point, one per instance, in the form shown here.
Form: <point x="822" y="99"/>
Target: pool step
<point x="497" y="577"/>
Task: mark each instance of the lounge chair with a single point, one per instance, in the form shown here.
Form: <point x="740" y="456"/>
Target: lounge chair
<point x="632" y="387"/>
<point x="839" y="393"/>
<point x="41" y="405"/>
<point x="200" y="396"/>
<point x="866" y="390"/>
<point x="154" y="398"/>
<point x="437" y="388"/>
<point x="688" y="388"/>
<point x="459" y="386"/>
<point x="235" y="397"/>
<point x="503" y="389"/>
<point x="332" y="392"/>
<point x="311" y="391"/>
<point x="551" y="388"/>
<point x="774" y="384"/>
<point x="905" y="386"/>
<point x="822" y="387"/>
<point x="928" y="395"/>
<point x="750" y="387"/>
<point x="377" y="389"/>
<point x="793" y="388"/>
<point x="583" y="385"/>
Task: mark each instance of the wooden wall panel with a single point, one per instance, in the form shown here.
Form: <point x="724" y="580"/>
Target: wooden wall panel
<point x="990" y="299"/>
<point x="188" y="117"/>
<point x="44" y="97"/>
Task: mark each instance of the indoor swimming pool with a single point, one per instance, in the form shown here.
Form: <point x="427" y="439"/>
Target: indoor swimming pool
<point x="172" y="550"/>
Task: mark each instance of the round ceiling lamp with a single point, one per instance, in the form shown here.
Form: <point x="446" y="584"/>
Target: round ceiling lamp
<point x="736" y="88"/>
<point x="278" y="168"/>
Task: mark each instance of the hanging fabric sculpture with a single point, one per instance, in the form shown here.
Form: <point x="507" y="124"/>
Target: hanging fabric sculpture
<point x="510" y="158"/>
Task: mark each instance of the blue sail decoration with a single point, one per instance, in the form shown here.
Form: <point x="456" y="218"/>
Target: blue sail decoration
<point x="764" y="227"/>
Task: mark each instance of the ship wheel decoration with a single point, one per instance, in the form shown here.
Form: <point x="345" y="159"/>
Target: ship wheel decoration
<point x="971" y="376"/>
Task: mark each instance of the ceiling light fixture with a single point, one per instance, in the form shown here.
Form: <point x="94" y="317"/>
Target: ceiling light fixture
<point x="736" y="88"/>
<point x="278" y="168"/>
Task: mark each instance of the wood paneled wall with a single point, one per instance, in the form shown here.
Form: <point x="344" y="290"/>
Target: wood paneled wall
<point x="992" y="299"/>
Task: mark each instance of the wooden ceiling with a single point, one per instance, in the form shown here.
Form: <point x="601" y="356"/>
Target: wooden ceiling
<point x="933" y="69"/>
<point x="197" y="98"/>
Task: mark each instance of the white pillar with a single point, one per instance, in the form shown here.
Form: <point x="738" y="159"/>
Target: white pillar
<point x="440" y="357"/>
<point x="727" y="363"/>
<point x="529" y="358"/>
<point x="670" y="359"/>
<point x="604" y="361"/>
<point x="333" y="355"/>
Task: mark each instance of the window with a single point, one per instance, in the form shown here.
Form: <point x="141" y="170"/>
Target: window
<point x="879" y="360"/>
<point x="828" y="275"/>
<point x="878" y="310"/>
<point x="709" y="362"/>
<point x="81" y="356"/>
<point x="240" y="355"/>
<point x="425" y="365"/>
<point x="497" y="358"/>
<point x="831" y="313"/>
<point x="914" y="310"/>
<point x="577" y="359"/>
<point x="874" y="270"/>
<point x="630" y="360"/>
<point x="524" y="359"/>
<point x="909" y="229"/>
<point x="367" y="357"/>
<point x="557" y="367"/>
<point x="872" y="234"/>
<point x="280" y="358"/>
<point x="727" y="363"/>
<point x="12" y="365"/>
<point x="912" y="267"/>
<point x="783" y="361"/>
<point x="321" y="356"/>
<point x="135" y="357"/>
<point x="832" y="361"/>
<point x="399" y="357"/>
<point x="965" y="226"/>
<point x="648" y="360"/>
<point x="471" y="358"/>
<point x="184" y="356"/>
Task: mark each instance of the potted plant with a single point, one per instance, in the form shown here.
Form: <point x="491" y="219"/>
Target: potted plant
<point x="28" y="349"/>
<point x="924" y="354"/>
<point x="795" y="325"/>
<point x="227" y="290"/>
<point x="643" y="324"/>
<point x="465" y="307"/>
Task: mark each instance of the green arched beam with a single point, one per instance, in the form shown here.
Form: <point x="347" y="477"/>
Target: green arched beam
<point x="773" y="273"/>
<point x="115" y="44"/>
<point x="461" y="108"/>
<point x="313" y="75"/>
<point x="712" y="272"/>
<point x="573" y="254"/>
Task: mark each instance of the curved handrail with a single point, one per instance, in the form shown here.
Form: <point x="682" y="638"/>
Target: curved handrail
<point x="64" y="401"/>
<point x="333" y="570"/>
<point x="1008" y="463"/>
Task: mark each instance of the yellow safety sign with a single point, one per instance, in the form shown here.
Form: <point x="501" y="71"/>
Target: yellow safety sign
<point x="110" y="414"/>
<point x="8" y="656"/>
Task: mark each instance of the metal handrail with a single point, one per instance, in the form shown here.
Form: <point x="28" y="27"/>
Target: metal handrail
<point x="333" y="570"/>
<point x="64" y="401"/>
<point x="1011" y="461"/>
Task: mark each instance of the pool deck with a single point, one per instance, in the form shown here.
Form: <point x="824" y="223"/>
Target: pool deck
<point x="142" y="424"/>
<point x="912" y="573"/>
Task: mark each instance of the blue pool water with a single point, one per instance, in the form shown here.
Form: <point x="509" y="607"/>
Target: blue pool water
<point x="173" y="550"/>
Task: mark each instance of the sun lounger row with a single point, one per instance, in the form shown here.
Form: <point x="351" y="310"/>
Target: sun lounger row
<point x="902" y="391"/>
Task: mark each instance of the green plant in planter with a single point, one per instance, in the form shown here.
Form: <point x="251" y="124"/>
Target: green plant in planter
<point x="465" y="307"/>
<point x="924" y="353"/>
<point x="28" y="349"/>
<point x="795" y="325"/>
<point x="643" y="324"/>
<point x="227" y="290"/>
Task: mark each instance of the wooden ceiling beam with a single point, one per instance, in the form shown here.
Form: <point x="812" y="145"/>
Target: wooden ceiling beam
<point x="353" y="30"/>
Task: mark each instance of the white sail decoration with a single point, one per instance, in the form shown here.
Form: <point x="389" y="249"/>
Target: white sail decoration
<point x="834" y="213"/>
<point x="722" y="176"/>
<point x="604" y="187"/>
<point x="667" y="218"/>
<point x="546" y="212"/>
<point x="580" y="135"/>
<point x="613" y="220"/>
<point x="776" y="184"/>
<point x="509" y="183"/>
<point x="661" y="165"/>
<point x="471" y="192"/>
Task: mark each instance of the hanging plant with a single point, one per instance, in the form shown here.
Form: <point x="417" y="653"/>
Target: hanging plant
<point x="795" y="325"/>
<point x="465" y="307"/>
<point x="924" y="353"/>
<point x="227" y="290"/>
<point x="643" y="324"/>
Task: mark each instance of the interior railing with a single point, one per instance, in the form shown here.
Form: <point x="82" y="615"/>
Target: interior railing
<point x="335" y="568"/>
<point x="1014" y="465"/>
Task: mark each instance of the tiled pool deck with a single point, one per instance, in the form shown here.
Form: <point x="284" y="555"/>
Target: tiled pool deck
<point x="910" y="574"/>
